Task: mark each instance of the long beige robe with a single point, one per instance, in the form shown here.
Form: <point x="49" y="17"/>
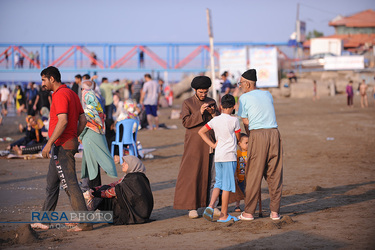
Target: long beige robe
<point x="192" y="187"/>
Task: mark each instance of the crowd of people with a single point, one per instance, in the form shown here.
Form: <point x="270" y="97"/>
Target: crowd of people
<point x="218" y="160"/>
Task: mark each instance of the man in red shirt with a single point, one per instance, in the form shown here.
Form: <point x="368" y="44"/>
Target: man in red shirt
<point x="67" y="120"/>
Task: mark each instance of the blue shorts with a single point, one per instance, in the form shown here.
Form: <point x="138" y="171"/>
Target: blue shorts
<point x="225" y="172"/>
<point x="151" y="110"/>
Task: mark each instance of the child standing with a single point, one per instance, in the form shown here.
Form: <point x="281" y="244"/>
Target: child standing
<point x="240" y="172"/>
<point x="350" y="93"/>
<point x="241" y="164"/>
<point x="227" y="129"/>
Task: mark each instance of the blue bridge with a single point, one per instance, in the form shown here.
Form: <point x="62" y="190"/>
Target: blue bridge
<point x="115" y="57"/>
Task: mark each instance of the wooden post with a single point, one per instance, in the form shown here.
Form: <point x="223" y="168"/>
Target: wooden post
<point x="211" y="36"/>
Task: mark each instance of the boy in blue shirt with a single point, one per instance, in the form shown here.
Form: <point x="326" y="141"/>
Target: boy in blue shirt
<point x="227" y="132"/>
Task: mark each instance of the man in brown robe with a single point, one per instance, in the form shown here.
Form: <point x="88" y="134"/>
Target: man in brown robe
<point x="194" y="177"/>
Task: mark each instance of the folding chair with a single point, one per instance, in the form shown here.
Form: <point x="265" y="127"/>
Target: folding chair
<point x="125" y="136"/>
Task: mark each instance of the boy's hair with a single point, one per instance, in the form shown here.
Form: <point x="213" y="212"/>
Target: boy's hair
<point x="78" y="76"/>
<point x="228" y="101"/>
<point x="86" y="77"/>
<point x="51" y="71"/>
<point x="243" y="135"/>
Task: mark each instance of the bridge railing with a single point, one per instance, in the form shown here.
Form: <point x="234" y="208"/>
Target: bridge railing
<point x="115" y="57"/>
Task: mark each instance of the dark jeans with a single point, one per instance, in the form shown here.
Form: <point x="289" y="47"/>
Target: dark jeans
<point x="24" y="141"/>
<point x="109" y="111"/>
<point x="62" y="170"/>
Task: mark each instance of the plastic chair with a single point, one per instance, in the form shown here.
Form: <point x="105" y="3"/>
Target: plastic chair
<point x="126" y="138"/>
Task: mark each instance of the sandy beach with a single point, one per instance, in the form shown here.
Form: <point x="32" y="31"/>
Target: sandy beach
<point x="328" y="196"/>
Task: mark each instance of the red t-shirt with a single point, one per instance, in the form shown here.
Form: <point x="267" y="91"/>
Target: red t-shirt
<point x="65" y="101"/>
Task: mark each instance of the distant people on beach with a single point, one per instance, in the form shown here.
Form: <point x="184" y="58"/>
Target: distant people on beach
<point x="363" y="92"/>
<point x="93" y="59"/>
<point x="350" y="94"/>
<point x="136" y="90"/>
<point x="291" y="76"/>
<point x="31" y="57"/>
<point x="315" y="91"/>
<point x="141" y="59"/>
<point x="31" y="94"/>
<point x="149" y="99"/>
<point x="196" y="174"/>
<point x="37" y="58"/>
<point x="43" y="99"/>
<point x="22" y="58"/>
<point x="226" y="85"/>
<point x="4" y="93"/>
<point x="227" y="132"/>
<point x="33" y="133"/>
<point x="6" y="58"/>
<point x="130" y="198"/>
<point x="17" y="60"/>
<point x="106" y="89"/>
<point x="76" y="87"/>
<point x="20" y="100"/>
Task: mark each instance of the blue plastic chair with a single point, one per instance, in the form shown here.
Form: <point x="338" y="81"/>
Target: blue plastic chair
<point x="126" y="138"/>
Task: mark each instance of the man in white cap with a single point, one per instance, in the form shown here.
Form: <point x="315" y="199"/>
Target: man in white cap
<point x="264" y="156"/>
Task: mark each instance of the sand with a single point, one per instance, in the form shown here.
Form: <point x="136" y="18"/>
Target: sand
<point x="328" y="196"/>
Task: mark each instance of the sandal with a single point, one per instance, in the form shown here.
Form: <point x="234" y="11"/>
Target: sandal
<point x="241" y="217"/>
<point x="237" y="209"/>
<point x="208" y="214"/>
<point x="275" y="218"/>
<point x="229" y="218"/>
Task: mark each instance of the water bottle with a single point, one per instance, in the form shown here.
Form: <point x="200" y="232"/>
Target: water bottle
<point x="140" y="149"/>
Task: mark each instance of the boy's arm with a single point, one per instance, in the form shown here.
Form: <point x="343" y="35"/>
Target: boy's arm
<point x="238" y="135"/>
<point x="202" y="133"/>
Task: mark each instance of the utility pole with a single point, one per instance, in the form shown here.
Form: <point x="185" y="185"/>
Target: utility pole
<point x="211" y="36"/>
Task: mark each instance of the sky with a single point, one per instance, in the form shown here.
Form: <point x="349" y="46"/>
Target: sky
<point x="137" y="21"/>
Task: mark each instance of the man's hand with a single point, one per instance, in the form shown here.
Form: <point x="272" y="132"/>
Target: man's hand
<point x="46" y="150"/>
<point x="203" y="107"/>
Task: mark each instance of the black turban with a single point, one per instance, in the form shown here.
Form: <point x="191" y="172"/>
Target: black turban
<point x="251" y="75"/>
<point x="201" y="82"/>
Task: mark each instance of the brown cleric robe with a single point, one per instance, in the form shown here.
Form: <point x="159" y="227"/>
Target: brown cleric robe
<point x="192" y="186"/>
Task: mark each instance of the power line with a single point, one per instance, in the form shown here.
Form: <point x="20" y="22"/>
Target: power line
<point x="312" y="7"/>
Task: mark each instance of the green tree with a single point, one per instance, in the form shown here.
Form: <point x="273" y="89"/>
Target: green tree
<point x="314" y="34"/>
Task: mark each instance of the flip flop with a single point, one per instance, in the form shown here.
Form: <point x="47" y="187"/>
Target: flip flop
<point x="241" y="217"/>
<point x="275" y="218"/>
<point x="230" y="217"/>
<point x="208" y="214"/>
<point x="237" y="209"/>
